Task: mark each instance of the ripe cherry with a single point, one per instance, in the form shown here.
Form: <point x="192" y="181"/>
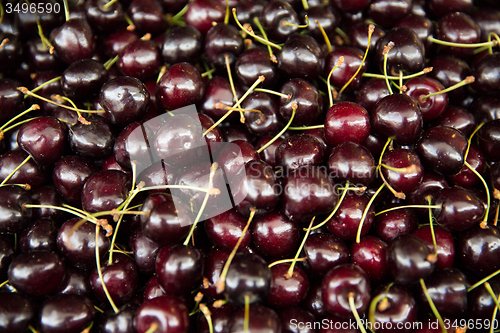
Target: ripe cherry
<point x="346" y="121"/>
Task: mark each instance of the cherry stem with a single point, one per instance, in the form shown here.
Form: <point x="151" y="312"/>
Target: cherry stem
<point x="208" y="73"/>
<point x="365" y="212"/>
<point x="2" y="13"/>
<point x="485" y="219"/>
<point x="221" y="106"/>
<point x="470" y="46"/>
<point x="302" y="26"/>
<point x="44" y="39"/>
<point x="221" y="284"/>
<point x="432" y="306"/>
<point x="226" y="17"/>
<point x="337" y="65"/>
<point x="325" y="36"/>
<point x="67" y="210"/>
<point x="355" y="312"/>
<point x="98" y="309"/>
<point x="294" y="109"/>
<point x="493" y="318"/>
<point x="99" y="270"/>
<point x="4" y="41"/>
<point x="4" y="283"/>
<point x="408" y="206"/>
<point x="371" y="28"/>
<point x="108" y="64"/>
<point x="304" y="128"/>
<point x="246" y="320"/>
<point x="387" y="48"/>
<point x="31" y="108"/>
<point x="480" y="282"/>
<point x="373" y="307"/>
<point x="409" y="169"/>
<point x="401" y="86"/>
<point x="305" y="4"/>
<point x="15" y="170"/>
<point x="32" y="329"/>
<point x="273" y="93"/>
<point x="292" y="266"/>
<point x="431" y="225"/>
<point x="213" y="169"/>
<point x="179" y="15"/>
<point x="492" y="293"/>
<point x="337" y="206"/>
<point x="27" y="187"/>
<point x="405" y="77"/>
<point x="399" y="195"/>
<point x="251" y="33"/>
<point x="470" y="139"/>
<point x="467" y="80"/>
<point x="152" y="328"/>
<point x="66" y="10"/>
<point x="497" y="38"/>
<point x="131" y="25"/>
<point x="496" y="215"/>
<point x="109" y="3"/>
<point x="343" y="35"/>
<point x="231" y="83"/>
<point x="284" y="261"/>
<point x="263" y="32"/>
<point x="44" y="84"/>
<point x="208" y="316"/>
<point x="254" y="85"/>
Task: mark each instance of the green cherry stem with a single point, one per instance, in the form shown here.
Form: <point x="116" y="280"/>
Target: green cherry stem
<point x="108" y="64"/>
<point x="294" y="109"/>
<point x="231" y="82"/>
<point x="44" y="84"/>
<point x="431" y="225"/>
<point x="263" y="32"/>
<point x="405" y="77"/>
<point x="432" y="306"/>
<point x="387" y="48"/>
<point x="408" y="206"/>
<point x="284" y="261"/>
<point x="305" y="128"/>
<point x="466" y="81"/>
<point x="251" y="33"/>
<point x="337" y="65"/>
<point x="66" y="10"/>
<point x="208" y="316"/>
<point x="15" y="170"/>
<point x="365" y="212"/>
<point x="292" y="266"/>
<point x="99" y="270"/>
<point x="480" y="282"/>
<point x="337" y="206"/>
<point x="355" y="312"/>
<point x="488" y="199"/>
<point x="470" y="46"/>
<point x="325" y="37"/>
<point x="305" y="4"/>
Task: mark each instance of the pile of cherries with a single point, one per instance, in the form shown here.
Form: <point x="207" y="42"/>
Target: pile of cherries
<point x="369" y="132"/>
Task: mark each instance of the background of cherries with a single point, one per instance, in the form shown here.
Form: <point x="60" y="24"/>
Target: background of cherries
<point x="53" y="284"/>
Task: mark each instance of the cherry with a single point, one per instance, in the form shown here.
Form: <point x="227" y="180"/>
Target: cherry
<point x="442" y="149"/>
<point x="409" y="259"/>
<point x="105" y="18"/>
<point x="14" y="217"/>
<point x="466" y="177"/>
<point x="266" y="122"/>
<point x="421" y="25"/>
<point x="275" y="17"/>
<point x="83" y="79"/>
<point x="346" y="121"/>
<point x="486" y="72"/>
<point x="158" y="174"/>
<point x="391" y="224"/>
<point x="148" y="16"/>
<point x="405" y="159"/>
<point x="40" y="236"/>
<point x="449" y="71"/>
<point x="353" y="59"/>
<point x="140" y="59"/>
<point x="167" y="313"/>
<point x="398" y="309"/>
<point x="398" y="117"/>
<point x="201" y="13"/>
<point x="346" y="288"/>
<point x="218" y="91"/>
<point x="40" y="58"/>
<point x="301" y="56"/>
<point x="94" y="140"/>
<point x="489" y="136"/>
<point x="213" y="264"/>
<point x="359" y="37"/>
<point x="30" y="173"/>
<point x="307" y="98"/>
<point x="323" y="252"/>
<point x="327" y="16"/>
<point x="353" y="162"/>
<point x="11" y="99"/>
<point x="7" y="251"/>
<point x="351" y="6"/>
<point x="477" y="249"/>
<point x="145" y="251"/>
<point x="181" y="85"/>
<point x="268" y="155"/>
<point x="182" y="44"/>
<point x="431" y="107"/>
<point x="11" y="53"/>
<point x="122" y="322"/>
<point x="75" y="282"/>
<point x="457" y="118"/>
<point x="73" y="41"/>
<point x="370" y="255"/>
<point x="287" y="291"/>
<point x="298" y="151"/>
<point x="69" y="313"/>
<point x="252" y="64"/>
<point x="17" y="312"/>
<point x="445" y="244"/>
<point x="307" y="192"/>
<point x="457" y="28"/>
<point x="78" y="245"/>
<point x="248" y="279"/>
<point x="259" y="319"/>
<point x="274" y="235"/>
<point x="226" y="229"/>
<point x="120" y="277"/>
<point x="370" y="93"/>
<point x="115" y="42"/>
<point x="44" y="138"/>
<point x="70" y="174"/>
<point x="220" y="41"/>
<point x="220" y="317"/>
<point x="487" y="20"/>
<point x="105" y="190"/>
<point x="407" y="55"/>
<point x="388" y="12"/>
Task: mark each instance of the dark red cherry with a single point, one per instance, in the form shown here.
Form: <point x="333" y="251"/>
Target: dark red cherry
<point x="248" y="277"/>
<point x="440" y="8"/>
<point x="44" y="138"/>
<point x="94" y="140"/>
<point x="466" y="177"/>
<point x="148" y="16"/>
<point x="341" y="283"/>
<point x="448" y="291"/>
<point x="353" y="57"/>
<point x="478" y="248"/>
<point x="201" y="13"/>
<point x="274" y="16"/>
<point x="36" y="273"/>
<point x="167" y="312"/>
<point x="72" y="41"/>
<point x="274" y="235"/>
<point x="115" y="42"/>
<point x="489" y="138"/>
<point x="153" y="288"/>
<point x="345" y="222"/>
<point x="353" y="162"/>
<point x="7" y="251"/>
<point x="442" y="149"/>
<point x="253" y="63"/>
<point x="220" y="316"/>
<point x="40" y="236"/>
<point x="387" y="12"/>
<point x="158" y="174"/>
<point x="182" y="44"/>
<point x="351" y="6"/>
<point x="486" y="74"/>
<point x="400" y="311"/>
<point x="105" y="190"/>
<point x="105" y="18"/>
<point x="431" y="184"/>
<point x="314" y="301"/>
<point x="298" y="151"/>
<point x="83" y="79"/>
<point x="266" y="122"/>
<point x="346" y="121"/>
<point x="287" y="291"/>
<point x="409" y="259"/>
<point x="70" y="174"/>
<point x="391" y="224"/>
<point x="224" y="230"/>
<point x="65" y="313"/>
<point x="486" y="108"/>
<point x="370" y="93"/>
<point x="431" y="107"/>
<point x="145" y="251"/>
<point x="327" y="16"/>
<point x="181" y="85"/>
<point x="358" y="35"/>
<point x="213" y="264"/>
<point x="308" y="99"/>
<point x="17" y="311"/>
<point x="449" y="71"/>
<point x="121" y="322"/>
<point x="268" y="155"/>
<point x="11" y="100"/>
<point x="218" y="91"/>
<point x="125" y="99"/>
<point x="325" y="251"/>
<point x="247" y="10"/>
<point x="487" y="20"/>
<point x="307" y="192"/>
<point x="30" y="173"/>
<point x="301" y="56"/>
<point x="444" y="241"/>
<point x="407" y="180"/>
<point x="421" y="25"/>
<point x="260" y="319"/>
<point x="77" y="245"/>
<point x="140" y="59"/>
<point x="371" y="255"/>
<point x="398" y="117"/>
<point x="458" y="28"/>
<point x="40" y="57"/>
<point x="223" y="40"/>
<point x="407" y="55"/>
<point x="11" y="53"/>
<point x="457" y="118"/>
<point x="47" y="196"/>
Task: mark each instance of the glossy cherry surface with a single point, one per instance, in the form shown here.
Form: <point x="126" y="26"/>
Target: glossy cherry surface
<point x="17" y="312"/>
<point x="182" y="44"/>
<point x="306" y="96"/>
<point x="391" y="224"/>
<point x="346" y="121"/>
<point x="298" y="151"/>
<point x="30" y="173"/>
<point x="167" y="311"/>
<point x="400" y="310"/>
<point x="253" y="63"/>
<point x="14" y="217"/>
<point x="73" y="41"/>
<point x="371" y="255"/>
<point x="65" y="313"/>
<point x="325" y="251"/>
<point x="226" y="229"/>
<point x="301" y="56"/>
<point x="477" y="249"/>
<point x="105" y="190"/>
<point x="83" y="79"/>
<point x="287" y="291"/>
